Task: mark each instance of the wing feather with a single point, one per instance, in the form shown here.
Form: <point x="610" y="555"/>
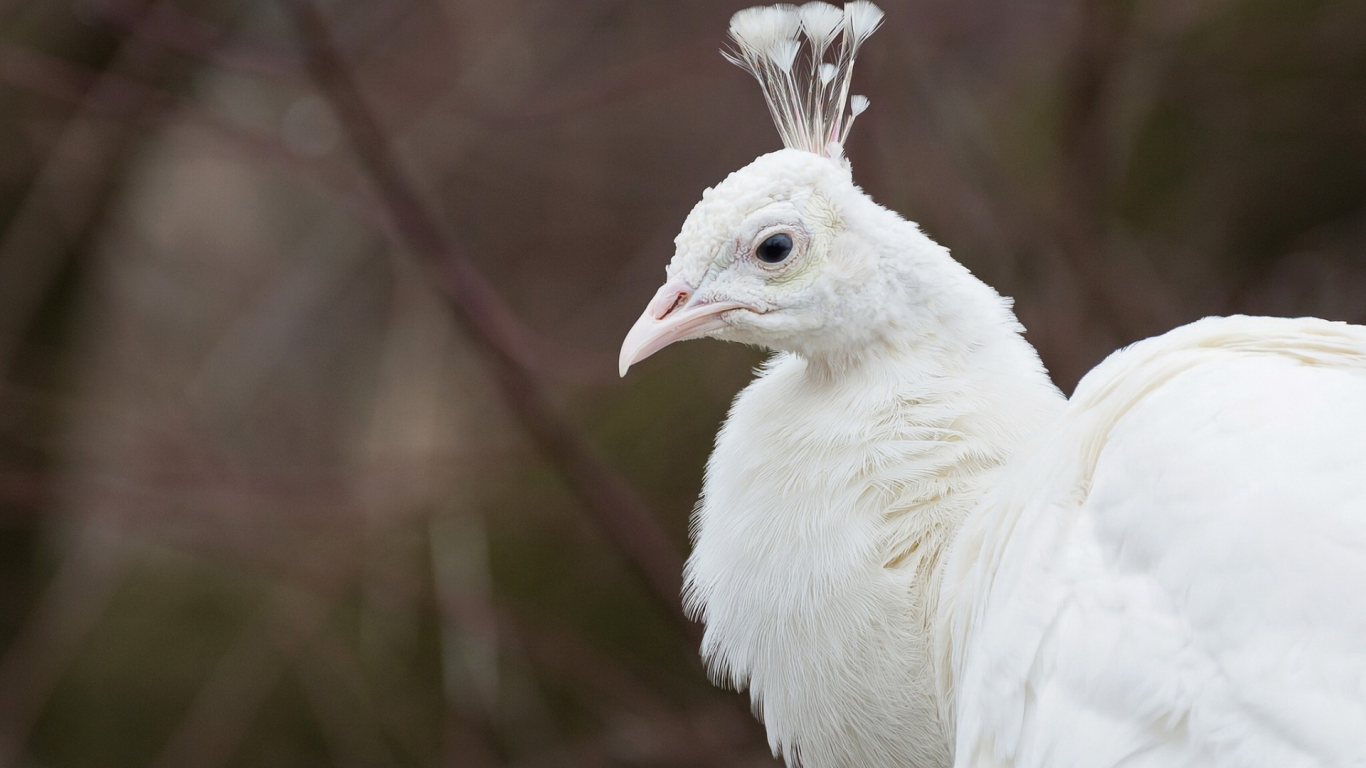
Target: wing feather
<point x="1178" y="576"/>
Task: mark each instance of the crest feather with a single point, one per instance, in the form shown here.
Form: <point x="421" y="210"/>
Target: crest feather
<point x="807" y="96"/>
<point x="820" y="22"/>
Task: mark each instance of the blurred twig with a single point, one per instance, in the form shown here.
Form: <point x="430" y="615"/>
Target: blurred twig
<point x="1134" y="309"/>
<point x="643" y="75"/>
<point x="49" y="640"/>
<point x="173" y="29"/>
<point x="64" y="200"/>
<point x="105" y="94"/>
<point x="212" y="730"/>
<point x="331" y="668"/>
<point x="468" y="627"/>
<point x="494" y="330"/>
<point x="351" y="729"/>
<point x="68" y="195"/>
<point x="109" y="95"/>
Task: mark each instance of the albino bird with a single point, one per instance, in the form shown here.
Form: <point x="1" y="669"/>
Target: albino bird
<point x="912" y="550"/>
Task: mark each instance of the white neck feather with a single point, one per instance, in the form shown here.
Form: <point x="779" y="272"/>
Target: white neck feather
<point x="837" y="483"/>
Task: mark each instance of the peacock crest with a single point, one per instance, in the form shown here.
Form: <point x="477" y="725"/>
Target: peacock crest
<point x="807" y="91"/>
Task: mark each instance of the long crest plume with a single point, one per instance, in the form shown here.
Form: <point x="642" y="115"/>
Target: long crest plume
<point x="806" y="94"/>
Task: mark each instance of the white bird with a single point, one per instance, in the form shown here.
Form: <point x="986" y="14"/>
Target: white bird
<point x="912" y="550"/>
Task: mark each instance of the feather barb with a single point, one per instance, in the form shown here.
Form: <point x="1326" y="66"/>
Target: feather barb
<point x="808" y="96"/>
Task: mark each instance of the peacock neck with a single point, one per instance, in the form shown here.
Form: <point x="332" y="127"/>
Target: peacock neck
<point x="836" y="485"/>
<point x="955" y="408"/>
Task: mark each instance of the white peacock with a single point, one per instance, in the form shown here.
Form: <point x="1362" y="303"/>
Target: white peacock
<point x="912" y="550"/>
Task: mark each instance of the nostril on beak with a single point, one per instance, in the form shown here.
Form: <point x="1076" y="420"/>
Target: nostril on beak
<point x="680" y="298"/>
<point x="669" y="299"/>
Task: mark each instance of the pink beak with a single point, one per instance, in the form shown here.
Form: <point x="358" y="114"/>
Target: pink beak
<point x="671" y="316"/>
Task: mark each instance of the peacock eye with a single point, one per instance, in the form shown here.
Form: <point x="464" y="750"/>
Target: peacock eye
<point x="774" y="249"/>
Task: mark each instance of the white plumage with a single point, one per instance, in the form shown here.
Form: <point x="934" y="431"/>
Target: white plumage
<point x="911" y="550"/>
<point x="1175" y="575"/>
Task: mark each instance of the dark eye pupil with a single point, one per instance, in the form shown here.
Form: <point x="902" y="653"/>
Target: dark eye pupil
<point x="774" y="249"/>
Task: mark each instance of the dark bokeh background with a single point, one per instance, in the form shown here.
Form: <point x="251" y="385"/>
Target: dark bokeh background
<point x="283" y="482"/>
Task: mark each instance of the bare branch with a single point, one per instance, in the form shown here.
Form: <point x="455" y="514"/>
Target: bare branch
<point x="213" y="728"/>
<point x="494" y="330"/>
<point x="1134" y="309"/>
<point x="50" y="639"/>
<point x="174" y="30"/>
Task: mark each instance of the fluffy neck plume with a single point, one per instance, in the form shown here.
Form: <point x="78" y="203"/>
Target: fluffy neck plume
<point x="806" y="94"/>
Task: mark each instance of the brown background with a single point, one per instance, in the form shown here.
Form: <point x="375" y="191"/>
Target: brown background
<point x="284" y="483"/>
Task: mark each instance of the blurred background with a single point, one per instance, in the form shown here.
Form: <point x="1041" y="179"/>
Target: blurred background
<point x="312" y="450"/>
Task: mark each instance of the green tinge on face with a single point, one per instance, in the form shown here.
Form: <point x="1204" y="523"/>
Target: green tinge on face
<point x="823" y="222"/>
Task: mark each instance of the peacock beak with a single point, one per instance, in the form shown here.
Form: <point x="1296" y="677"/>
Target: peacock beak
<point x="672" y="315"/>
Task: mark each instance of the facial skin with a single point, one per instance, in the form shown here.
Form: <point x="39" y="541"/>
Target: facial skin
<point x="748" y="257"/>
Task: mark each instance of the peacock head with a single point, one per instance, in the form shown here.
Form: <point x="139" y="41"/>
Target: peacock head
<point x="773" y="255"/>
